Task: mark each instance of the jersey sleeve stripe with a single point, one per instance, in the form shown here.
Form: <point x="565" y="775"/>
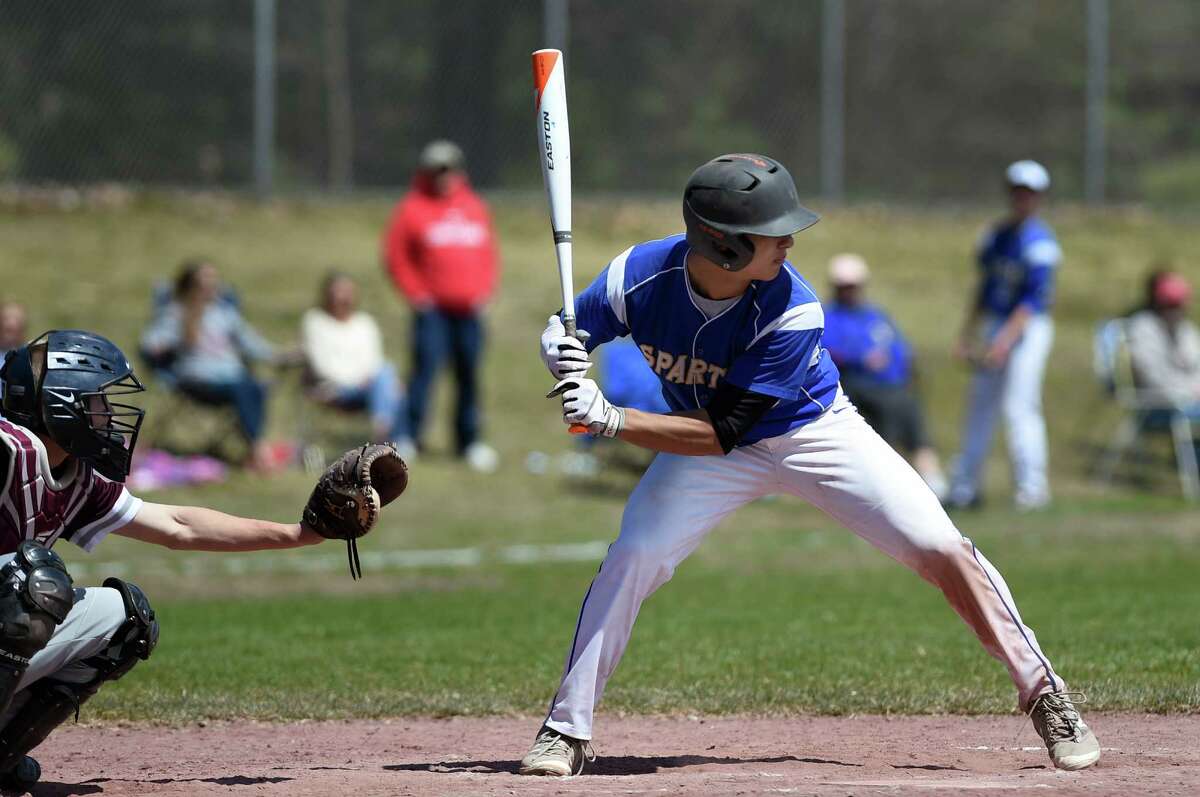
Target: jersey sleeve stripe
<point x="122" y="512"/>
<point x="73" y="508"/>
<point x="14" y="448"/>
<point x="794" y="319"/>
<point x="1043" y="253"/>
<point x="799" y="281"/>
<point x="651" y="277"/>
<point x="26" y="493"/>
<point x="615" y="286"/>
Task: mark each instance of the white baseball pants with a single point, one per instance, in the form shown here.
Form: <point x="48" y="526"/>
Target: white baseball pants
<point x="837" y="463"/>
<point x="1015" y="390"/>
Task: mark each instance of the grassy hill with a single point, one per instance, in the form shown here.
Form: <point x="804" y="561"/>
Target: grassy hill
<point x="473" y="581"/>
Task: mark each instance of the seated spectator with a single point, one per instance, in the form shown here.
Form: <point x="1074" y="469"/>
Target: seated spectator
<point x="1164" y="344"/>
<point x="14" y="321"/>
<point x="876" y="365"/>
<point x="344" y="351"/>
<point x="205" y="344"/>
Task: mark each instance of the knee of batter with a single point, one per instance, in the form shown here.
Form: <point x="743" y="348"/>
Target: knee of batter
<point x="942" y="559"/>
<point x="641" y="554"/>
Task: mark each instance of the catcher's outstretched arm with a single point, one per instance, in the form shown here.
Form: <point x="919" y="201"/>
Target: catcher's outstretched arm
<point x="193" y="528"/>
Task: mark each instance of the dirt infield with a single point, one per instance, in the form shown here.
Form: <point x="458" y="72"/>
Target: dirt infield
<point x="725" y="755"/>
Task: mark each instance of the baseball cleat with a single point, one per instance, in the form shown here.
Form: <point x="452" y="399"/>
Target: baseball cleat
<point x="1070" y="743"/>
<point x="556" y="754"/>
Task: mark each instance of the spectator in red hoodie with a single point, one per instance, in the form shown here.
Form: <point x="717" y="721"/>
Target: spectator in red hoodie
<point x="440" y="250"/>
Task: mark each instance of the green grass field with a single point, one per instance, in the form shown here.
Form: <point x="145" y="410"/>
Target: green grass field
<point x="780" y="611"/>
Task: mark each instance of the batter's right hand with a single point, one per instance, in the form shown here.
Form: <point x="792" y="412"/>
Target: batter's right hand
<point x="564" y="355"/>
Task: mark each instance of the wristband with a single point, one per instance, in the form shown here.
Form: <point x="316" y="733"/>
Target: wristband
<point x="614" y="422"/>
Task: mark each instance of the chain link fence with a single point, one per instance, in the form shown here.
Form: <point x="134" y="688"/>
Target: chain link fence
<point x="938" y="94"/>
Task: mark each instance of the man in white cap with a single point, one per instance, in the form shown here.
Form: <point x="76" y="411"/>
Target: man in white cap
<point x="876" y="365"/>
<point x="1006" y="338"/>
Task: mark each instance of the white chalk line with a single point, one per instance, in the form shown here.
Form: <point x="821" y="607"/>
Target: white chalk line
<point x="275" y="563"/>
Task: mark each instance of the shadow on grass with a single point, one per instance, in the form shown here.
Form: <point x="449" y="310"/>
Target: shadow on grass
<point x="612" y="765"/>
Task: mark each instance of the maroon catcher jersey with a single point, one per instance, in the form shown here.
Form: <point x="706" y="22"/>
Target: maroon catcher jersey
<point x="79" y="505"/>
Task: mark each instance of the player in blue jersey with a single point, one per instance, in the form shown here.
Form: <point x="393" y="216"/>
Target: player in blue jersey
<point x="733" y="332"/>
<point x="876" y="364"/>
<point x="1006" y="338"/>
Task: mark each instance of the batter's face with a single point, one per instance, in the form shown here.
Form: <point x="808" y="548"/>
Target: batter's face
<point x="769" y="254"/>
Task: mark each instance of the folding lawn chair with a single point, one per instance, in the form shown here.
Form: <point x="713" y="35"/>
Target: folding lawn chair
<point x="1142" y="412"/>
<point x="175" y="424"/>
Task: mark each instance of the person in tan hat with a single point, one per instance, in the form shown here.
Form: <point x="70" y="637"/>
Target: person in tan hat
<point x="876" y="364"/>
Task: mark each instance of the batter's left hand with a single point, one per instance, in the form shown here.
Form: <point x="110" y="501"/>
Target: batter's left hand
<point x="584" y="405"/>
<point x="565" y="355"/>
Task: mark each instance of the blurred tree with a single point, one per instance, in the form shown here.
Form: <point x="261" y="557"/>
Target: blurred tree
<point x="940" y="93"/>
<point x="337" y="85"/>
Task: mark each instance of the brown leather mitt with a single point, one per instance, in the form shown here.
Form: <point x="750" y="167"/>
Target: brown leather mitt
<point x="345" y="503"/>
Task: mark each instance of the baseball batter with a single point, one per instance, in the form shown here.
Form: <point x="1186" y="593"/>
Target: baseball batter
<point x="66" y="440"/>
<point x="733" y="332"/>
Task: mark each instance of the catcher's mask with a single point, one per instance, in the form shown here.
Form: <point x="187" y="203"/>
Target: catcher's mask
<point x="734" y="196"/>
<point x="62" y="384"/>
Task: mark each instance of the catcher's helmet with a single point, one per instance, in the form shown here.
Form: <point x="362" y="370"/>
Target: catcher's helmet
<point x="61" y="384"/>
<point x="733" y="195"/>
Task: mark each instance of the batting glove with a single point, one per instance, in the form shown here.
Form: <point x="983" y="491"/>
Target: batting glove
<point x="584" y="405"/>
<point x="564" y="355"/>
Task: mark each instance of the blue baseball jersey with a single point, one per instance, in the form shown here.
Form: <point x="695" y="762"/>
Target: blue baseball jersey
<point x="1018" y="263"/>
<point x="768" y="341"/>
<point x="864" y="341"/>
<point x="627" y="381"/>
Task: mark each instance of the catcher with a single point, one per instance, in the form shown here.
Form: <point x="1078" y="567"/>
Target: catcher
<point x="65" y="448"/>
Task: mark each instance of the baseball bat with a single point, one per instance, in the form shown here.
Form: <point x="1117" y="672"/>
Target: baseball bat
<point x="554" y="146"/>
<point x="554" y="151"/>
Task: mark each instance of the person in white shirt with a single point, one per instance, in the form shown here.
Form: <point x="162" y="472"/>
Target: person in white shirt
<point x="344" y="351"/>
<point x="1165" y="344"/>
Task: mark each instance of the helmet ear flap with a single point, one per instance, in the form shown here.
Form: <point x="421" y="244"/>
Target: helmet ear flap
<point x="729" y="256"/>
<point x="729" y="249"/>
<point x="737" y="252"/>
<point x="747" y="250"/>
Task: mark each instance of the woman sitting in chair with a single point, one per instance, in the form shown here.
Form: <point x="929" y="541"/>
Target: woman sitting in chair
<point x="344" y="352"/>
<point x="1165" y="345"/>
<point x="208" y="344"/>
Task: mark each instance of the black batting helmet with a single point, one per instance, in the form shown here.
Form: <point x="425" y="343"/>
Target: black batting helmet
<point x="62" y="383"/>
<point x="739" y="194"/>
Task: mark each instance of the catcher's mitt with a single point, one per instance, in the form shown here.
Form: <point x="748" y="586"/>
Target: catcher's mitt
<point x="345" y="503"/>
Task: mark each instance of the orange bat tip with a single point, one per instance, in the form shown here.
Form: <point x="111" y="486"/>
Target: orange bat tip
<point x="544" y="62"/>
